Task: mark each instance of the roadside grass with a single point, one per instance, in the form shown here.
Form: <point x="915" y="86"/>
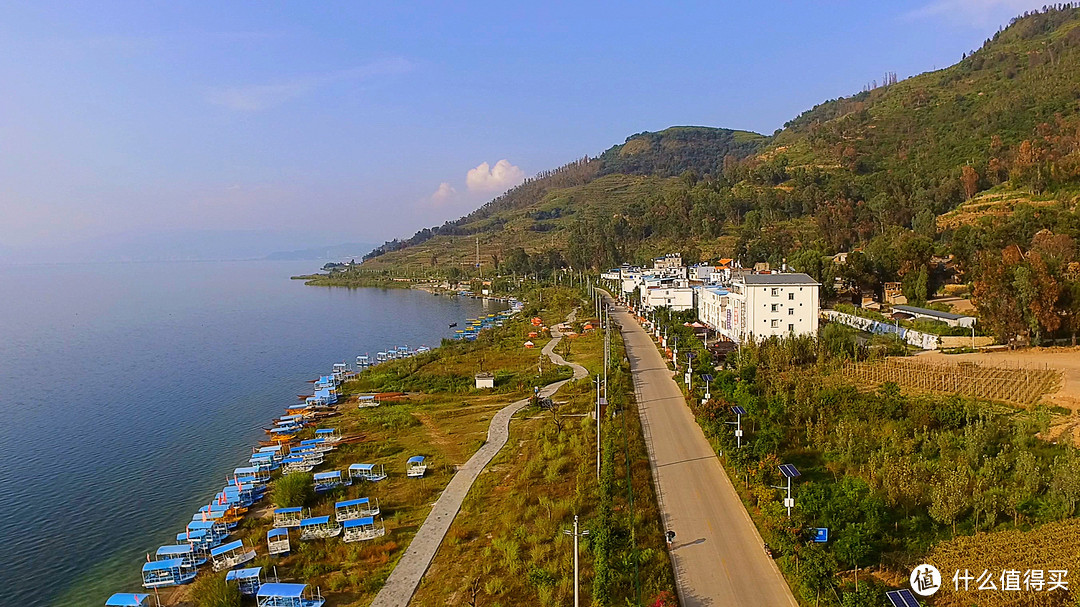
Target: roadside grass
<point x="507" y="546"/>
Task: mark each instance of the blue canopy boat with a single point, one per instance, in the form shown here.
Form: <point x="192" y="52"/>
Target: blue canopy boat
<point x="330" y="435"/>
<point x="288" y="517"/>
<point x="328" y="481"/>
<point x="287" y="595"/>
<point x="230" y="555"/>
<point x="180" y="551"/>
<point x="367" y="472"/>
<point x="354" y="509"/>
<point x="277" y="540"/>
<point x="249" y="579"/>
<point x="128" y="599"/>
<point x="415" y="467"/>
<point x="172" y="572"/>
<point x="319" y="527"/>
<point x="360" y="529"/>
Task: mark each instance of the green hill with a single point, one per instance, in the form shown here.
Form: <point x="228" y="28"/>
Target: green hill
<point x="884" y="171"/>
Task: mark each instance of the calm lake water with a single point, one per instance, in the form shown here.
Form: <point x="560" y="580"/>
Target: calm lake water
<point x="129" y="391"/>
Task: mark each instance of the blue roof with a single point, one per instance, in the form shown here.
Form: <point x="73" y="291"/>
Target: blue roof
<point x="190" y="535"/>
<point x="163" y="565"/>
<point x="174" y="549"/>
<point x="127" y="599"/>
<point x="325" y="431"/>
<point x="285" y="430"/>
<point x="288" y="510"/>
<point x="245" y="470"/>
<point x="202" y="525"/>
<point x="272" y="449"/>
<point x="240" y="574"/>
<point x="319" y="476"/>
<point x="359" y="522"/>
<point x="292" y="460"/>
<point x="277" y="531"/>
<point x="222" y="549"/>
<point x="361" y="466"/>
<point x="317" y="520"/>
<point x="355" y="502"/>
<point x="282" y="590"/>
<point x="312" y="441"/>
<point x="416" y="459"/>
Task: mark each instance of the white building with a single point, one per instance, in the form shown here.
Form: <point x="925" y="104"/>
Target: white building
<point x="756" y="306"/>
<point x="673" y="293"/>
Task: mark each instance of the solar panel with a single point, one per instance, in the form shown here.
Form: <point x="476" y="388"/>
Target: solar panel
<point x="708" y="378"/>
<point x="901" y="598"/>
<point x="738" y="410"/>
<point x="788" y="471"/>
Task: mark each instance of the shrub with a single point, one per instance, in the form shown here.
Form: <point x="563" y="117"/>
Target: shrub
<point x="214" y="591"/>
<point x="292" y="490"/>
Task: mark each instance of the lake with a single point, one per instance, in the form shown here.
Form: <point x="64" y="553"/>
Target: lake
<point x="129" y="391"/>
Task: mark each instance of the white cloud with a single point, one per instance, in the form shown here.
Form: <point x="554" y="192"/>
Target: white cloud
<point x="499" y="178"/>
<point x="974" y="13"/>
<point x="444" y="193"/>
<point x="254" y="97"/>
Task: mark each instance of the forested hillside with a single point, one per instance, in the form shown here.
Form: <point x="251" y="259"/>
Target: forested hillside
<point x="969" y="161"/>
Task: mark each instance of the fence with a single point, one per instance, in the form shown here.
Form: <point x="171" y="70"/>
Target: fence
<point x="918" y="339"/>
<point x="1019" y="385"/>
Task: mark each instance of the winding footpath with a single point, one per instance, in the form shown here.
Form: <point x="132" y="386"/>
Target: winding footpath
<point x="717" y="554"/>
<point x="405" y="578"/>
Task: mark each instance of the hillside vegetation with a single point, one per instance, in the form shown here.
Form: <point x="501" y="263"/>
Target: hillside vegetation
<point x="888" y="172"/>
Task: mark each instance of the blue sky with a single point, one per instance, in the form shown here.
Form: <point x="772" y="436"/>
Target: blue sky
<point x="349" y="121"/>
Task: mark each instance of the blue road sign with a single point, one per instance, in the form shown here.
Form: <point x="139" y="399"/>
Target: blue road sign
<point x="821" y="534"/>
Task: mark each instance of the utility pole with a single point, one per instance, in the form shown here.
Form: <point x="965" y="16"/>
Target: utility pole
<point x="597" y="428"/>
<point x="576" y="536"/>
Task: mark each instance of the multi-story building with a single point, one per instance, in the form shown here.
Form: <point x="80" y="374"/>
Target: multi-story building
<point x="756" y="306"/>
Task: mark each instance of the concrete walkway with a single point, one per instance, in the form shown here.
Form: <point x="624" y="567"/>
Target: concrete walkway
<point x="405" y="578"/>
<point x="717" y="553"/>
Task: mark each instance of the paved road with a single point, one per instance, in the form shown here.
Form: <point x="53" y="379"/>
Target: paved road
<point x="717" y="553"/>
<point x="404" y="579"/>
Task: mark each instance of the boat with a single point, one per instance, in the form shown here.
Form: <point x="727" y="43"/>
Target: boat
<point x="288" y="517"/>
<point x="170" y="572"/>
<point x="287" y="595"/>
<point x="128" y="599"/>
<point x="249" y="580"/>
<point x="367" y="472"/>
<point x="179" y="551"/>
<point x="354" y="509"/>
<point x="318" y="527"/>
<point x="361" y="529"/>
<point x="329" y="435"/>
<point x="415" y="467"/>
<point x="328" y="481"/>
<point x="367" y="400"/>
<point x="230" y="555"/>
<point x="277" y="541"/>
<point x="452" y="325"/>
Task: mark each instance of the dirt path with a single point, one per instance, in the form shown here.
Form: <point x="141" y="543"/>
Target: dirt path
<point x="404" y="579"/>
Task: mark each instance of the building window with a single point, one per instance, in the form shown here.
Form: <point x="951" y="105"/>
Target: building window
<point x="791" y="328"/>
<point x="775" y="308"/>
<point x="791" y="311"/>
<point x="775" y="323"/>
<point x="791" y="296"/>
<point x="775" y="292"/>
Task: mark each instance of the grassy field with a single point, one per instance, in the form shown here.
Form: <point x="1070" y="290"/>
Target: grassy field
<point x="445" y="419"/>
<point x="507" y="545"/>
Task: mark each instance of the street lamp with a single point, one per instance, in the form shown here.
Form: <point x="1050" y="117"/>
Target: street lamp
<point x="739" y="412"/>
<point x="789" y="473"/>
<point x="576" y="535"/>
